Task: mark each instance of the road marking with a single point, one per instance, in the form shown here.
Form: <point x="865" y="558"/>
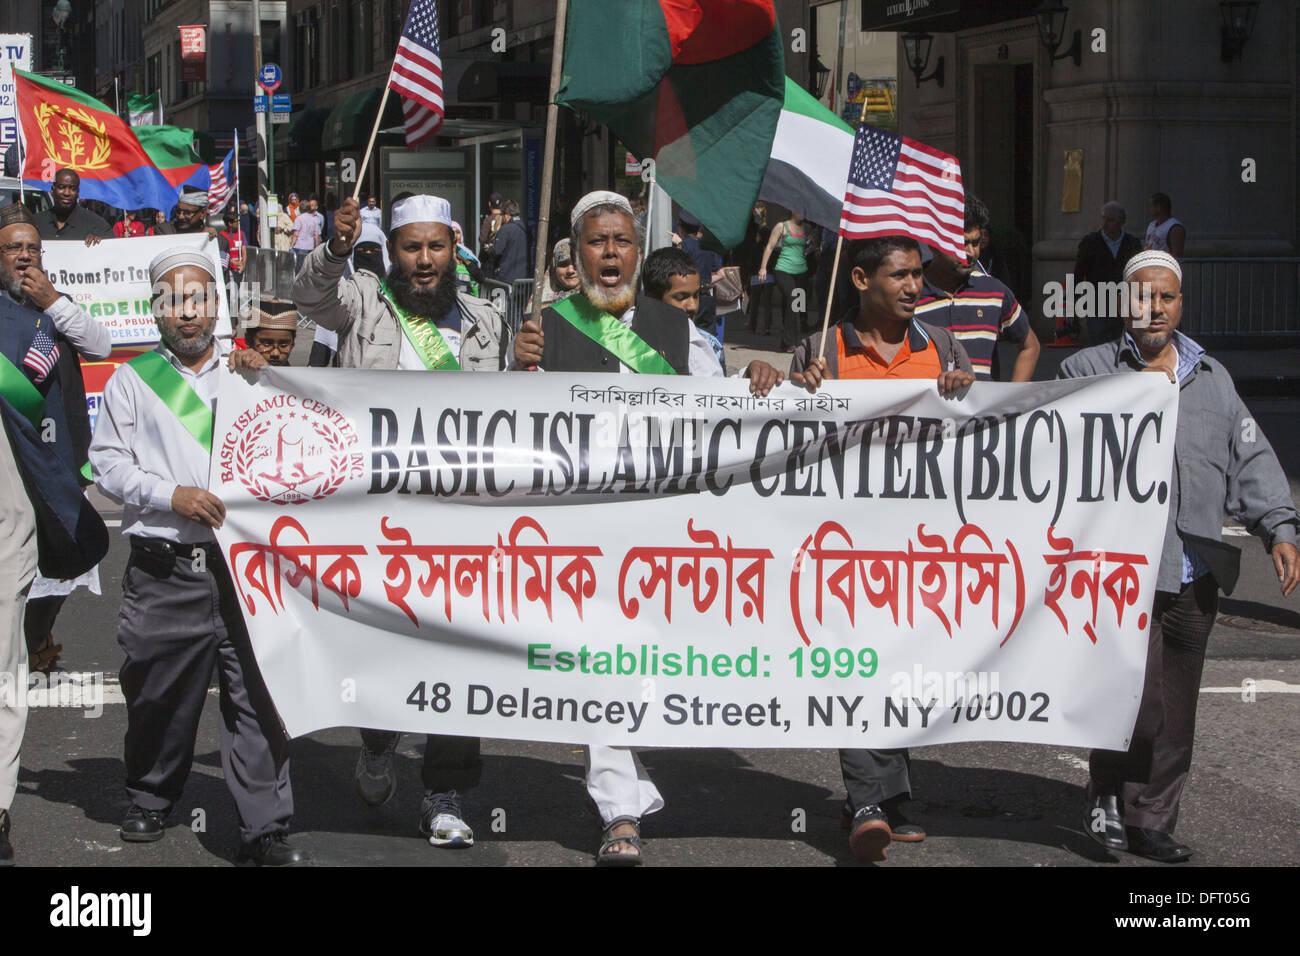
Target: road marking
<point x="113" y="522"/>
<point x="1235" y="531"/>
<point x="1260" y="687"/>
<point x="1074" y="760"/>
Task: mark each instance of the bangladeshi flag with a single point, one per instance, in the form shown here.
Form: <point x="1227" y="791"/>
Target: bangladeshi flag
<point x="695" y="84"/>
<point x="62" y="127"/>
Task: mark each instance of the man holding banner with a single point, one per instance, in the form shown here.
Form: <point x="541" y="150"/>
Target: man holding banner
<point x="52" y="364"/>
<point x="414" y="319"/>
<point x="180" y="617"/>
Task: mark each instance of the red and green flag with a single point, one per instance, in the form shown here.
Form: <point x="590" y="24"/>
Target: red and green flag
<point x="696" y="84"/>
<point x="62" y="127"/>
<point x="171" y="149"/>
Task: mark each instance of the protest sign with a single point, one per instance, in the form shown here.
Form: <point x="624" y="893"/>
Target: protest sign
<point x="663" y="561"/>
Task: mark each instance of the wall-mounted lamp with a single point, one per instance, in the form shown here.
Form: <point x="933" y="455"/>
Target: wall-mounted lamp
<point x="1238" y="25"/>
<point x="821" y="75"/>
<point x="916" y="46"/>
<point x="1051" y="31"/>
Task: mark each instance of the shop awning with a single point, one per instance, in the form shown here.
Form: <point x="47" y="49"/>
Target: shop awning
<point x="348" y="124"/>
<point x="300" y="138"/>
<point x="490" y="81"/>
<point x="940" y="16"/>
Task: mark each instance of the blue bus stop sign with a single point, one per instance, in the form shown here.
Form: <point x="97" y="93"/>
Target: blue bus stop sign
<point x="270" y="77"/>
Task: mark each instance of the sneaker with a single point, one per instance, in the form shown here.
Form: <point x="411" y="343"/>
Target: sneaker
<point x="376" y="777"/>
<point x="869" y="834"/>
<point x="440" y="820"/>
<point x="6" y="848"/>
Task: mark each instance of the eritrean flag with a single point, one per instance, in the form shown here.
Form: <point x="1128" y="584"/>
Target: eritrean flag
<point x="696" y="84"/>
<point x="62" y="127"/>
<point x="171" y="148"/>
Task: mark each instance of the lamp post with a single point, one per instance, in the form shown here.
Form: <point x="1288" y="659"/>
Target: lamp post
<point x="62" y="10"/>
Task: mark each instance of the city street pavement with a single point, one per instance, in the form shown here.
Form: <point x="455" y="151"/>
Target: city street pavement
<point x="982" y="804"/>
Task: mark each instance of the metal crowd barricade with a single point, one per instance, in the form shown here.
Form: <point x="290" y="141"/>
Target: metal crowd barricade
<point x="270" y="273"/>
<point x="523" y="294"/>
<point x="1241" y="297"/>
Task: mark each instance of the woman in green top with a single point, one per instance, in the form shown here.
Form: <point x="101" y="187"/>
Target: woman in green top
<point x="790" y="273"/>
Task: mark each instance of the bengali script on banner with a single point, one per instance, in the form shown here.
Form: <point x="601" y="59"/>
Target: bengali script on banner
<point x="660" y="561"/>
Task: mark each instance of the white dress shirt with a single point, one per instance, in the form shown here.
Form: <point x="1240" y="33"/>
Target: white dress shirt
<point x="90" y="338"/>
<point x="141" y="452"/>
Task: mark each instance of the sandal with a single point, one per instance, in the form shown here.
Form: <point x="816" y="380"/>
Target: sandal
<point x="608" y="856"/>
<point x="45" y="658"/>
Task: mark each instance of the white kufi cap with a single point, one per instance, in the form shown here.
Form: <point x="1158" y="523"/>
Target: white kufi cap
<point x="601" y="197"/>
<point x="1153" y="257"/>
<point x="421" y="209"/>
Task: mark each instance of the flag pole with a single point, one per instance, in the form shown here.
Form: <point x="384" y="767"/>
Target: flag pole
<point x="379" y="118"/>
<point x="548" y="160"/>
<point x="830" y="295"/>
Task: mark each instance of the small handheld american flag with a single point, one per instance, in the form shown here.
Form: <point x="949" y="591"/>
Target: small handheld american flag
<point x="417" y="73"/>
<point x="42" y="356"/>
<point x="898" y="186"/>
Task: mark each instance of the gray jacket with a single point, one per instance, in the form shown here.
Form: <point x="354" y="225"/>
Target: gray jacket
<point x="1222" y="462"/>
<point x="369" y="334"/>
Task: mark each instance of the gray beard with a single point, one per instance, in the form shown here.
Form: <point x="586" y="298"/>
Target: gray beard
<point x="12" y="284"/>
<point x="187" y="347"/>
<point x="427" y="304"/>
<point x="614" y="301"/>
<point x="1153" y="341"/>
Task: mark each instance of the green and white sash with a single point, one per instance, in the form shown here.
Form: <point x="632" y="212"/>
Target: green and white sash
<point x="613" y="336"/>
<point x="19" y="392"/>
<point x="170" y="386"/>
<point x="424" y="337"/>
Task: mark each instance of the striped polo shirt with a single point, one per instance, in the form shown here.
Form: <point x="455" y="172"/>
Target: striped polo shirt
<point x="981" y="311"/>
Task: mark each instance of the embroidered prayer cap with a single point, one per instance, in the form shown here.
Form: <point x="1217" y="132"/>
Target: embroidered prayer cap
<point x="1153" y="257"/>
<point x="165" y="262"/>
<point x="421" y="209"/>
<point x="275" y="314"/>
<point x="562" y="254"/>
<point x="194" y="197"/>
<point x="600" y="197"/>
<point x="15" y="213"/>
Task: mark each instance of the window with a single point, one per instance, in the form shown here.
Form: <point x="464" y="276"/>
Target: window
<point x="363" y="54"/>
<point x="307" y="70"/>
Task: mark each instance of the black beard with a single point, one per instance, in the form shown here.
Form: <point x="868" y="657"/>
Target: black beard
<point x="426" y="303"/>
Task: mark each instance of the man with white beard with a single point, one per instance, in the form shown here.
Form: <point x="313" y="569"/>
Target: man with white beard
<point x="604" y="327"/>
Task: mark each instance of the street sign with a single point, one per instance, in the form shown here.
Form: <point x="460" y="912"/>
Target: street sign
<point x="278" y="118"/>
<point x="270" y="77"/>
<point x="280" y="103"/>
<point x="259" y="104"/>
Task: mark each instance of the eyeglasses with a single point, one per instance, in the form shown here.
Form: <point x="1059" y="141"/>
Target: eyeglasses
<point x="13" y="248"/>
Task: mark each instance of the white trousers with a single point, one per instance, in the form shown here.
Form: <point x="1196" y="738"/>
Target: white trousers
<point x="17" y="568"/>
<point x="619" y="784"/>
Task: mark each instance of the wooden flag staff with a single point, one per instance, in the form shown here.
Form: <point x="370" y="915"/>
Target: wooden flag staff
<point x="830" y="295"/>
<point x="365" y="160"/>
<point x="548" y="161"/>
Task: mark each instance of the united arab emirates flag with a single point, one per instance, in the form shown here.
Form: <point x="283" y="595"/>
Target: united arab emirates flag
<point x="810" y="159"/>
<point x="62" y="127"/>
<point x="696" y="84"/>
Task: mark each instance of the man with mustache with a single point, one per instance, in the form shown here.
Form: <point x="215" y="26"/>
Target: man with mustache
<point x="180" y="615"/>
<point x="1222" y="464"/>
<point x="604" y="327"/>
<point x="414" y="319"/>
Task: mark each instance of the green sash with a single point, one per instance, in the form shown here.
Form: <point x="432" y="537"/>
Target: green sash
<point x="461" y="270"/>
<point x="613" y="336"/>
<point x="168" y="384"/>
<point x="19" y="392"/>
<point x="424" y="337"/>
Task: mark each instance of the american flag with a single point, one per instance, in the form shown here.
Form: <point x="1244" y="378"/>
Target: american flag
<point x="417" y="72"/>
<point x="898" y="186"/>
<point x="221" y="184"/>
<point x="42" y="356"/>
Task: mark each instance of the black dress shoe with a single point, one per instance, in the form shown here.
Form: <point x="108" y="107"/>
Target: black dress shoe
<point x="1103" y="821"/>
<point x="142" y="826"/>
<point x="1157" y="846"/>
<point x="6" y="848"/>
<point x="902" y="830"/>
<point x="272" y="849"/>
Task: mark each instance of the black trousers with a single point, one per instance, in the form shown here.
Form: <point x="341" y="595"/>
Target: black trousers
<point x="1149" y="776"/>
<point x="874" y="776"/>
<point x="176" y="626"/>
<point x="450" y="763"/>
<point x="792" y="329"/>
<point x="38" y="619"/>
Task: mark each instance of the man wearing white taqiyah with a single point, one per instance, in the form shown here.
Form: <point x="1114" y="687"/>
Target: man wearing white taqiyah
<point x="413" y="319"/>
<point x="180" y="615"/>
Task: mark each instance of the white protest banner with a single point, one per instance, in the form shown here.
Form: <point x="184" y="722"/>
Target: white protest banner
<point x="661" y="561"/>
<point x="110" y="280"/>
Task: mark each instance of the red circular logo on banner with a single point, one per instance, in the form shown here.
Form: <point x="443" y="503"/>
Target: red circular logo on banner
<point x="288" y="450"/>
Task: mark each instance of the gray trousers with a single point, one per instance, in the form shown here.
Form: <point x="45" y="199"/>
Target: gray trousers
<point x="175" y="630"/>
<point x="17" y="569"/>
<point x="874" y="776"/>
<point x="1149" y="776"/>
